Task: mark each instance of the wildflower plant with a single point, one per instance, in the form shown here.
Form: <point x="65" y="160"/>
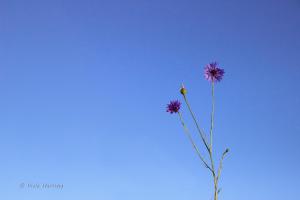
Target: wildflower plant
<point x="213" y="74"/>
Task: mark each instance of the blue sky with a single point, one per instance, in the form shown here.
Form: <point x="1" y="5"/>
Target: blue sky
<point x="84" y="85"/>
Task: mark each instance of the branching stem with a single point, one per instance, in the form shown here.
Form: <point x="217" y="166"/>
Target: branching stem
<point x="202" y="135"/>
<point x="193" y="143"/>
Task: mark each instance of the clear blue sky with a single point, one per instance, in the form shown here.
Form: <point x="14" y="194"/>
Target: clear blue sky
<point x="84" y="85"/>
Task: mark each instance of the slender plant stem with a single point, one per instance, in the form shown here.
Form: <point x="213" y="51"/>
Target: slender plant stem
<point x="216" y="192"/>
<point x="211" y="143"/>
<point x="214" y="177"/>
<point x="221" y="164"/>
<point x="212" y="113"/>
<point x="202" y="135"/>
<point x="193" y="143"/>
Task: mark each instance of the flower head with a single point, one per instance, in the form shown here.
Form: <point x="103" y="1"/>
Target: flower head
<point x="173" y="106"/>
<point x="213" y="73"/>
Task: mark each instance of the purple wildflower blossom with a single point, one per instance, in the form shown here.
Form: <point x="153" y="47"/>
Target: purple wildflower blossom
<point x="213" y="73"/>
<point x="173" y="106"/>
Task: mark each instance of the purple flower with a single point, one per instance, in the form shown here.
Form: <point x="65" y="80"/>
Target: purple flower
<point x="173" y="106"/>
<point x="213" y="73"/>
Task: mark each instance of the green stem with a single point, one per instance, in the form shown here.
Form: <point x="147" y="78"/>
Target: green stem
<point x="216" y="179"/>
<point x="212" y="114"/>
<point x="202" y="135"/>
<point x="211" y="143"/>
<point x="221" y="164"/>
<point x="216" y="192"/>
<point x="213" y="173"/>
<point x="193" y="143"/>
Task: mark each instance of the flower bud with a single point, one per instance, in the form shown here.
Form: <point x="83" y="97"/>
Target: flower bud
<point x="183" y="91"/>
<point x="225" y="152"/>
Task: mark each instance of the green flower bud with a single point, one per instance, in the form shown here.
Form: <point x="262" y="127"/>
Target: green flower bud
<point x="183" y="91"/>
